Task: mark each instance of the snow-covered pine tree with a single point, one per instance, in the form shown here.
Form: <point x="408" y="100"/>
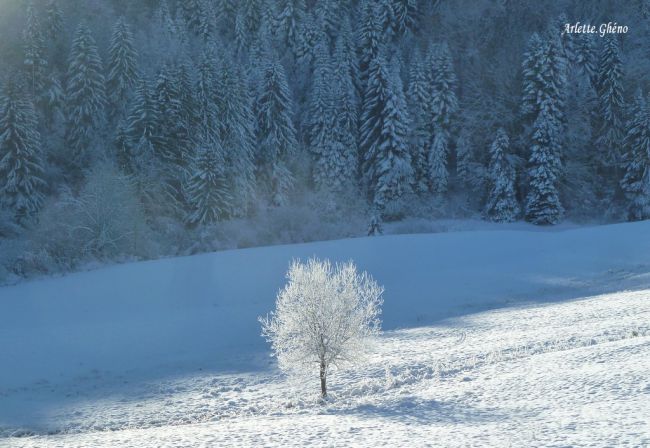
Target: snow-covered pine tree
<point x="370" y="40"/>
<point x="52" y="100"/>
<point x="320" y="121"/>
<point x="164" y="19"/>
<point x="406" y="16"/>
<point x="236" y="132"/>
<point x="531" y="67"/>
<point x="441" y="108"/>
<point x="141" y="124"/>
<point x="34" y="45"/>
<point x="330" y="15"/>
<point x="585" y="55"/>
<point x="384" y="9"/>
<point x="122" y="65"/>
<point x="437" y="155"/>
<point x="53" y="19"/>
<point x="333" y="143"/>
<point x="290" y="16"/>
<point x="611" y="104"/>
<point x="192" y="13"/>
<point x="204" y="92"/>
<point x="21" y="158"/>
<point x="418" y="96"/>
<point x="501" y="203"/>
<point x="464" y="158"/>
<point x="206" y="191"/>
<point x="636" y="162"/>
<point x="276" y="134"/>
<point x="386" y="162"/>
<point x="543" y="205"/>
<point x="173" y="131"/>
<point x="85" y="92"/>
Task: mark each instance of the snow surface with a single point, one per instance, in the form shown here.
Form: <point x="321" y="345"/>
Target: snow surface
<point x="494" y="338"/>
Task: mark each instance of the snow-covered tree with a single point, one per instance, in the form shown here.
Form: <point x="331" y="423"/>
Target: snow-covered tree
<point x="636" y="180"/>
<point x="325" y="317"/>
<point x="441" y="108"/>
<point x="85" y="92"/>
<point x="34" y="43"/>
<point x="52" y="100"/>
<point x="611" y="104"/>
<point x="290" y="15"/>
<point x="21" y="158"/>
<point x="53" y="19"/>
<point x="276" y="134"/>
<point x="204" y="91"/>
<point x="585" y="55"/>
<point x="406" y="16"/>
<point x="141" y="123"/>
<point x="419" y="99"/>
<point x="386" y="160"/>
<point x="206" y="191"/>
<point x="370" y="40"/>
<point x="464" y="158"/>
<point x="501" y="203"/>
<point x="543" y="205"/>
<point x="437" y="172"/>
<point x="122" y="64"/>
<point x="173" y="132"/>
<point x="236" y="132"/>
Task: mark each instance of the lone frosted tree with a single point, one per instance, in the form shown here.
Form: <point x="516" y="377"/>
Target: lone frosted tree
<point x="325" y="316"/>
<point x="501" y="204"/>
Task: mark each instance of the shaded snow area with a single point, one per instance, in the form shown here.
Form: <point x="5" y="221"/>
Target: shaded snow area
<point x="510" y="338"/>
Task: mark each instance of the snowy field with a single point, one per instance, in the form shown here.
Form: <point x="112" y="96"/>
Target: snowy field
<point x="493" y="338"/>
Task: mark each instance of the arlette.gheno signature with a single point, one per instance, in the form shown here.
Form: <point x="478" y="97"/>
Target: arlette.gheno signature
<point x="602" y="30"/>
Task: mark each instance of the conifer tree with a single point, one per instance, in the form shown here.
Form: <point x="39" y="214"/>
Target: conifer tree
<point x="464" y="159"/>
<point x="636" y="180"/>
<point x="207" y="193"/>
<point x="85" y="92"/>
<point x="370" y="40"/>
<point x="442" y="106"/>
<point x="206" y="109"/>
<point x="543" y="205"/>
<point x="52" y="100"/>
<point x="53" y="19"/>
<point x="418" y="95"/>
<point x="501" y="203"/>
<point x="320" y="117"/>
<point x="236" y="132"/>
<point x="122" y="64"/>
<point x="290" y="16"/>
<point x="585" y="56"/>
<point x="141" y="123"/>
<point x="405" y="13"/>
<point x="387" y="170"/>
<point x="21" y="158"/>
<point x="611" y="105"/>
<point x="276" y="134"/>
<point x="173" y="131"/>
<point x="34" y="44"/>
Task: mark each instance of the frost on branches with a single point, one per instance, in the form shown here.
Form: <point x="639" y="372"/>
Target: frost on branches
<point x="325" y="316"/>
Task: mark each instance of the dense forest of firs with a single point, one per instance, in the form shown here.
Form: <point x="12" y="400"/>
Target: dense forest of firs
<point x="139" y="129"/>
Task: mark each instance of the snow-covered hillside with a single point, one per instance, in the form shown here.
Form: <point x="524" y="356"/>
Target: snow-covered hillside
<point x="494" y="338"/>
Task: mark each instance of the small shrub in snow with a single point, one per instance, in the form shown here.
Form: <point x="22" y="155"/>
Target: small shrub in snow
<point x="325" y="316"/>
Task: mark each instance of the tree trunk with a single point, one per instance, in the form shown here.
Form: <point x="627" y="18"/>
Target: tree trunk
<point x="323" y="379"/>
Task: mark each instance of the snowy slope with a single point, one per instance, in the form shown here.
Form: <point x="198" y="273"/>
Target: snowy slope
<point x="158" y="344"/>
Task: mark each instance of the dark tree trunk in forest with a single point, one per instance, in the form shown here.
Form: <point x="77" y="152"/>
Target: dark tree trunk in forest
<point x="323" y="379"/>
